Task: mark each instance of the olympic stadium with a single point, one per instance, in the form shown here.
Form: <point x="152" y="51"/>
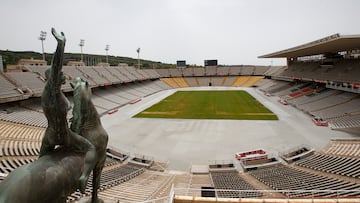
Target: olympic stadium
<point x="311" y="153"/>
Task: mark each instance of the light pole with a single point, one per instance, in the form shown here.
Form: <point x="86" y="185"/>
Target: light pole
<point x="82" y="43"/>
<point x="138" y="52"/>
<point x="42" y="38"/>
<point x="107" y="49"/>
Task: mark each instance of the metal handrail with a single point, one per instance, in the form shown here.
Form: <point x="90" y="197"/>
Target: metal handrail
<point x="286" y="192"/>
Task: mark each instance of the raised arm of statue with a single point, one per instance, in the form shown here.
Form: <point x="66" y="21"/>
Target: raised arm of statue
<point x="56" y="66"/>
<point x="54" y="103"/>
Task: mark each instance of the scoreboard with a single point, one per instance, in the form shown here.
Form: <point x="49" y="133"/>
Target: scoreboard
<point x="180" y="64"/>
<point x="210" y="62"/>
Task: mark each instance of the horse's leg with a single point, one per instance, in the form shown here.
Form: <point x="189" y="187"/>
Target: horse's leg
<point x="82" y="144"/>
<point x="96" y="182"/>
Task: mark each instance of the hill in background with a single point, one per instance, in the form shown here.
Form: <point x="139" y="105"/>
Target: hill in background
<point x="12" y="57"/>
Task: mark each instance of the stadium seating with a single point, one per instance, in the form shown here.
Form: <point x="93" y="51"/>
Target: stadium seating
<point x="245" y="81"/>
<point x="175" y="72"/>
<point x="231" y="181"/>
<point x="281" y="177"/>
<point x="247" y="70"/>
<point x="199" y="72"/>
<point x="116" y="73"/>
<point x="8" y="91"/>
<point x="27" y="80"/>
<point x="181" y="82"/>
<point x="20" y="115"/>
<point x="115" y="175"/>
<point x="117" y="86"/>
<point x="260" y="70"/>
<point x="145" y="186"/>
<point x="105" y="73"/>
<point x="216" y="81"/>
<point x="132" y="73"/>
<point x="211" y="71"/>
<point x="151" y="73"/>
<point x="8" y="165"/>
<point x="222" y="71"/>
<point x="188" y="72"/>
<point x="164" y="73"/>
<point x="333" y="164"/>
<point x="192" y="81"/>
<point x="74" y="72"/>
<point x="340" y="70"/>
<point x="173" y="82"/>
<point x="275" y="86"/>
<point x="328" y="102"/>
<point x="343" y="147"/>
<point x="203" y="81"/>
<point x="109" y="94"/>
<point x="92" y="75"/>
<point x="341" y="109"/>
<point x="345" y="122"/>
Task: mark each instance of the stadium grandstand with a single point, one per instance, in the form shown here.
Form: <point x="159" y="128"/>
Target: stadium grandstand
<point x="312" y="154"/>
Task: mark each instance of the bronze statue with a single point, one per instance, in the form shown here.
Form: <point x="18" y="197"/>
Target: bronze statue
<point x="55" y="107"/>
<point x="86" y="122"/>
<point x="51" y="178"/>
<point x="66" y="158"/>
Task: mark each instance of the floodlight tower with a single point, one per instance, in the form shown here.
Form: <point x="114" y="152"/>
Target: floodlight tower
<point x="81" y="44"/>
<point x="138" y="52"/>
<point x="107" y="49"/>
<point x="42" y="37"/>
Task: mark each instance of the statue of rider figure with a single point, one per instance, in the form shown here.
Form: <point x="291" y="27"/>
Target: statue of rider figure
<point x="56" y="106"/>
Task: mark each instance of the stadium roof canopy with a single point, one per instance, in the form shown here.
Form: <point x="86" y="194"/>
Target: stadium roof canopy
<point x="331" y="44"/>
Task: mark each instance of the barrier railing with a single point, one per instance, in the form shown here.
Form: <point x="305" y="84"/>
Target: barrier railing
<point x="275" y="194"/>
<point x="269" y="195"/>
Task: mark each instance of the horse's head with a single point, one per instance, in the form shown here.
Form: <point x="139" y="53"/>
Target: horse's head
<point x="82" y="103"/>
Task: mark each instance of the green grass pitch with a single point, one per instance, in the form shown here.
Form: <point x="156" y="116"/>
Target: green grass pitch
<point x="237" y="105"/>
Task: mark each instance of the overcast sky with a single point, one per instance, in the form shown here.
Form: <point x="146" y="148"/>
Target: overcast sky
<point x="233" y="31"/>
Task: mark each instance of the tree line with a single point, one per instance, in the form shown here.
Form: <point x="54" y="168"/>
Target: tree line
<point x="12" y="57"/>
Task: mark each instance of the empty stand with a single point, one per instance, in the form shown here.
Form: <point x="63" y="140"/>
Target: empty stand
<point x="148" y="185"/>
<point x="232" y="181"/>
<point x="164" y="73"/>
<point x="175" y="72"/>
<point x="105" y="73"/>
<point x="111" y="176"/>
<point x="23" y="116"/>
<point x="210" y="70"/>
<point x="339" y="70"/>
<point x="223" y="71"/>
<point x="343" y="147"/>
<point x="188" y="72"/>
<point x="234" y="70"/>
<point x="333" y="164"/>
<point x="199" y="71"/>
<point x="281" y="177"/>
<point x="28" y="80"/>
<point x="245" y="81"/>
<point x="8" y="90"/>
<point x="131" y="75"/>
<point x="247" y="70"/>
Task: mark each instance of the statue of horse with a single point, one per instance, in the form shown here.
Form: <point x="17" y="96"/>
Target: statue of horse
<point x="55" y="175"/>
<point x="67" y="156"/>
<point x="86" y="122"/>
<point x="51" y="178"/>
